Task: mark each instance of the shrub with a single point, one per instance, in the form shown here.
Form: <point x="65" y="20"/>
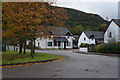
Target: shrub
<point x="85" y="45"/>
<point x="108" y="48"/>
<point x="37" y="47"/>
<point x="99" y="48"/>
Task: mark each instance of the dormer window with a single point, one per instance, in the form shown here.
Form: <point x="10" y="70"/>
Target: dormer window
<point x="68" y="34"/>
<point x="92" y="37"/>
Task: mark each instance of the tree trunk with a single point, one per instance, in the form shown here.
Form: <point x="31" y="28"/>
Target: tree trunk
<point x="32" y="46"/>
<point x="24" y="47"/>
<point x="20" y="47"/>
<point x="14" y="47"/>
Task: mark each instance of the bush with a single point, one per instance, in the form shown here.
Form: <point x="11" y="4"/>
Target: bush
<point x="85" y="45"/>
<point x="109" y="48"/>
<point x="37" y="47"/>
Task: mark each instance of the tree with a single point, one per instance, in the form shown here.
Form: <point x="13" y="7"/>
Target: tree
<point x="78" y="29"/>
<point x="30" y="20"/>
<point x="102" y="27"/>
<point x="88" y="29"/>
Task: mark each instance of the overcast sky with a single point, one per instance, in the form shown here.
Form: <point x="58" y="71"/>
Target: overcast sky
<point x="104" y="8"/>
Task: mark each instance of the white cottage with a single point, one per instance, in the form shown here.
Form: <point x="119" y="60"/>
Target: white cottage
<point x="62" y="41"/>
<point x="113" y="31"/>
<point x="91" y="37"/>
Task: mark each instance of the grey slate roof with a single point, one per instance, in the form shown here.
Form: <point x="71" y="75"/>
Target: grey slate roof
<point x="59" y="39"/>
<point x="97" y="34"/>
<point x="99" y="41"/>
<point x="76" y="36"/>
<point x="61" y="31"/>
<point x="117" y="21"/>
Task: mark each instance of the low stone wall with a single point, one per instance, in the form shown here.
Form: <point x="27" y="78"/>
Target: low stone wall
<point x="83" y="49"/>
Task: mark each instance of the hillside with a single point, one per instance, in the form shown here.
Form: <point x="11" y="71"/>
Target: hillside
<point x="80" y="21"/>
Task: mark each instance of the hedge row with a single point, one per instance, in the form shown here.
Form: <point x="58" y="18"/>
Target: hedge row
<point x="109" y="48"/>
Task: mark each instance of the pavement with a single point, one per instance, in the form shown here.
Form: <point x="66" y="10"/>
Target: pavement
<point x="75" y="66"/>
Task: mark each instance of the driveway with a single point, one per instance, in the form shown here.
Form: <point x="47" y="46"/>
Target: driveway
<point x="75" y="66"/>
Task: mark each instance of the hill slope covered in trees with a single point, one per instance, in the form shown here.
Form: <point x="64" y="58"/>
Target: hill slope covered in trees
<point x="80" y="21"/>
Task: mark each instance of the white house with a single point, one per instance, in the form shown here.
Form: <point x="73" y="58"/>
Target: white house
<point x="91" y="37"/>
<point x="113" y="31"/>
<point x="62" y="41"/>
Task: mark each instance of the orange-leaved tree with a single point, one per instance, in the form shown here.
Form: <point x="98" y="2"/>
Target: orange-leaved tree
<point x="29" y="20"/>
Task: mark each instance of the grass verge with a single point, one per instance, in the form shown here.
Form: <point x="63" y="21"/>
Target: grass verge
<point x="11" y="57"/>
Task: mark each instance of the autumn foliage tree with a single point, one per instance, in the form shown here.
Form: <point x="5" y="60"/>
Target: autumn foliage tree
<point x="24" y="21"/>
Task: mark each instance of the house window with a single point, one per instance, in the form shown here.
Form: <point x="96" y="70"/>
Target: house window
<point x="68" y="34"/>
<point x="84" y="38"/>
<point x="55" y="43"/>
<point x="38" y="44"/>
<point x="92" y="37"/>
<point x="49" y="43"/>
<point x="110" y="35"/>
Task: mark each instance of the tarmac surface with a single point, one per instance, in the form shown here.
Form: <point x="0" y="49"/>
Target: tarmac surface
<point x="75" y="65"/>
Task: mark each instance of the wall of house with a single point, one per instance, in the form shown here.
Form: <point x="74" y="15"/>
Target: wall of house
<point x="69" y="40"/>
<point x="28" y="42"/>
<point x="92" y="41"/>
<point x="113" y="28"/>
<point x="43" y="43"/>
<point x="50" y="47"/>
<point x="81" y="39"/>
<point x="62" y="43"/>
<point x="87" y="40"/>
<point x="119" y="34"/>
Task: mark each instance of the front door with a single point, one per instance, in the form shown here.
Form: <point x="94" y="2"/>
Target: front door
<point x="64" y="45"/>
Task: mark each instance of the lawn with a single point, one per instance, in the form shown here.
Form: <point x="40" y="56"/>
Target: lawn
<point x="14" y="57"/>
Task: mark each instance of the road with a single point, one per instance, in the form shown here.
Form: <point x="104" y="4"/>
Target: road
<point x="75" y="66"/>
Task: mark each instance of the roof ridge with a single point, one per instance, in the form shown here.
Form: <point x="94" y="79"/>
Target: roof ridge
<point x="117" y="21"/>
